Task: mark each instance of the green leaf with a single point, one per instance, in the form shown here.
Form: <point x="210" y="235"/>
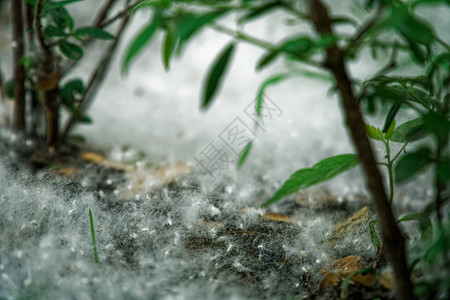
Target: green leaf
<point x="270" y="81"/>
<point x="410" y="217"/>
<point x="260" y="11"/>
<point x="190" y="24"/>
<point x="409" y="131"/>
<point x="53" y="31"/>
<point x="438" y="124"/>
<point x="70" y="50"/>
<point x="299" y="47"/>
<point x="244" y="154"/>
<point x="390" y="131"/>
<point x="391" y="115"/>
<point x="411" y="164"/>
<point x="94" y="32"/>
<point x="51" y="5"/>
<point x="266" y="59"/>
<point x="444" y="170"/>
<point x="320" y="172"/>
<point x="169" y="44"/>
<point x="84" y="119"/>
<point x="71" y="90"/>
<point x="424" y="224"/>
<point x="61" y="18"/>
<point x="409" y="26"/>
<point x="215" y="75"/>
<point x="373" y="235"/>
<point x="374" y="133"/>
<point x="140" y="40"/>
<point x="435" y="63"/>
<point x="94" y="244"/>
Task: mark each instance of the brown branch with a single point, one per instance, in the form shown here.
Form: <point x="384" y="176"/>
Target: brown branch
<point x="392" y="237"/>
<point x="18" y="68"/>
<point x="103" y="13"/>
<point x="119" y="15"/>
<point x="95" y="80"/>
<point x="48" y="81"/>
<point x="2" y="86"/>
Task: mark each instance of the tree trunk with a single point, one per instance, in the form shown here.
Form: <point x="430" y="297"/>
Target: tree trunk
<point x="18" y="68"/>
<point x="392" y="236"/>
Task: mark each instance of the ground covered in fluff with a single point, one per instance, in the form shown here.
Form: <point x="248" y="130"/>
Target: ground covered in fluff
<point x="162" y="237"/>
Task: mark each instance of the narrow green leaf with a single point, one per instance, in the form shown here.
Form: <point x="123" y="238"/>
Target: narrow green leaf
<point x="409" y="131"/>
<point x="140" y="41"/>
<point x="260" y="11"/>
<point x="410" y="217"/>
<point x="374" y="133"/>
<point x="373" y="235"/>
<point x="94" y="32"/>
<point x="70" y="50"/>
<point x="215" y="75"/>
<point x="169" y="44"/>
<point x="244" y="154"/>
<point x="270" y="81"/>
<point x="391" y="116"/>
<point x="84" y="119"/>
<point x="94" y="244"/>
<point x="390" y="131"/>
<point x="266" y="59"/>
<point x="191" y="24"/>
<point x="320" y="172"/>
<point x="411" y="164"/>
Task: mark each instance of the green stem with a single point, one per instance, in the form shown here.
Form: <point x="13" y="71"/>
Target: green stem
<point x="94" y="244"/>
<point x="390" y="171"/>
<point x="257" y="42"/>
<point x="399" y="152"/>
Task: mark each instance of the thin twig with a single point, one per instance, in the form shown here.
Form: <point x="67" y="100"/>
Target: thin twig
<point x="364" y="29"/>
<point x="95" y="80"/>
<point x="119" y="15"/>
<point x="257" y="42"/>
<point x="103" y="13"/>
<point x="2" y="87"/>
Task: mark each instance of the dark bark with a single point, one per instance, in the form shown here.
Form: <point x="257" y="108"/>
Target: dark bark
<point x="2" y="86"/>
<point x="392" y="236"/>
<point x="48" y="81"/>
<point x="18" y="68"/>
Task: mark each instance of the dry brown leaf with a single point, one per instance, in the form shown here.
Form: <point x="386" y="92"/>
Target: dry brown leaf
<point x="329" y="278"/>
<point x="277" y="217"/>
<point x="100" y="160"/>
<point x="353" y="221"/>
<point x="386" y="280"/>
<point x="66" y="171"/>
<point x="343" y="268"/>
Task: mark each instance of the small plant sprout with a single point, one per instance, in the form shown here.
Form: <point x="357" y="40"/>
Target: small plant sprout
<point x="94" y="244"/>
